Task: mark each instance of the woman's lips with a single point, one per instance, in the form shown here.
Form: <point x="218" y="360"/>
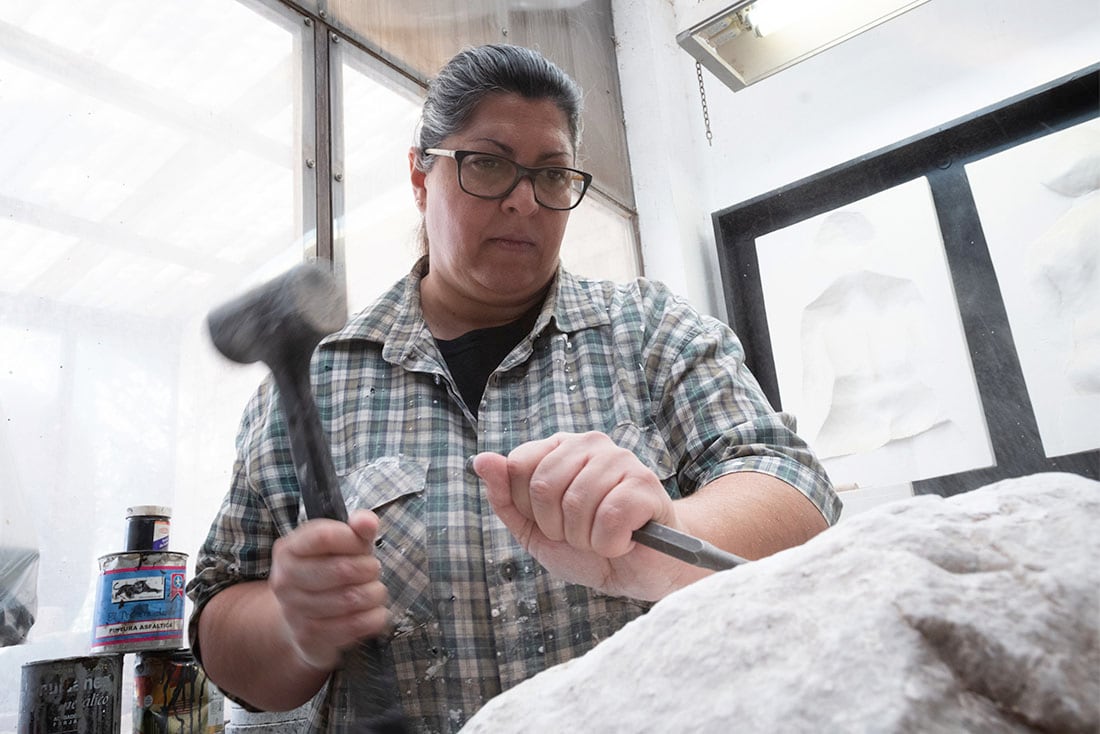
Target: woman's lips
<point x="510" y="241"/>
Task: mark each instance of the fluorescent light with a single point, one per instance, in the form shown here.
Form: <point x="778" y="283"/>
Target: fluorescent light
<point x="745" y="41"/>
<point x="769" y="16"/>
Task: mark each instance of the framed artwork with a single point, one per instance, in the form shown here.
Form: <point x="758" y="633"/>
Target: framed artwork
<point x="898" y="308"/>
<point x="869" y="350"/>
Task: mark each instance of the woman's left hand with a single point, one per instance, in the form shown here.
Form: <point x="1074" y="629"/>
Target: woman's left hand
<point x="573" y="501"/>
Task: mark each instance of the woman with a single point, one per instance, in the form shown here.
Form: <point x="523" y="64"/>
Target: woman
<point x="591" y="407"/>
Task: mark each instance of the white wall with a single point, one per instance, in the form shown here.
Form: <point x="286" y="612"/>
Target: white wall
<point x="941" y="61"/>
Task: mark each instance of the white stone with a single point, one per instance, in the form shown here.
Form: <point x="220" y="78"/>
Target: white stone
<point x="975" y="613"/>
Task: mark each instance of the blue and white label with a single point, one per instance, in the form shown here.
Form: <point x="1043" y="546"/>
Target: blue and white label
<point x="140" y="601"/>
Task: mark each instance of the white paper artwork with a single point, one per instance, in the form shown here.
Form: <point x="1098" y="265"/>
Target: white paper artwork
<point x="869" y="350"/>
<point x="1040" y="209"/>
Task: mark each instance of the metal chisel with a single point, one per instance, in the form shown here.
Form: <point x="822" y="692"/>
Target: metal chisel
<point x="674" y="543"/>
<point x="685" y="547"/>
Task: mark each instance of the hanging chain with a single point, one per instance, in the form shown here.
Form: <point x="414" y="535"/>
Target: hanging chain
<point x="703" y="97"/>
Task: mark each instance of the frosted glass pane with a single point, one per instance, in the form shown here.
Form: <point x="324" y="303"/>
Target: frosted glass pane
<point x="599" y="242"/>
<point x="380" y="217"/>
<point x="149" y="170"/>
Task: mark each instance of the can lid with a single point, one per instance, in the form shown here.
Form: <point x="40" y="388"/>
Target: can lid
<point x="138" y="558"/>
<point x="176" y="655"/>
<point x="148" y="511"/>
<point x="95" y="658"/>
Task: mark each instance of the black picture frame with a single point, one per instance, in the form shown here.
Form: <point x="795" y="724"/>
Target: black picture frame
<point x="939" y="155"/>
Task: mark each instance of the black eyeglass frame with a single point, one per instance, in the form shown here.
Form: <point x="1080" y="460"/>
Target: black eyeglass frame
<point x="522" y="172"/>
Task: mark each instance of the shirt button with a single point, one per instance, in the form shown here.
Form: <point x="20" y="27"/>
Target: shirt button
<point x="508" y="571"/>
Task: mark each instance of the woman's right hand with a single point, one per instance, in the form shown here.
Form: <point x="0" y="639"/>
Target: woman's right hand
<point x="327" y="581"/>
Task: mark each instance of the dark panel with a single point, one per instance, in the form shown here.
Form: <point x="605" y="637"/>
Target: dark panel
<point x="748" y="317"/>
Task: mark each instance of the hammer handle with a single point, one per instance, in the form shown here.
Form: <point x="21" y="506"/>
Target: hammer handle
<point x="311" y="454"/>
<point x="370" y="702"/>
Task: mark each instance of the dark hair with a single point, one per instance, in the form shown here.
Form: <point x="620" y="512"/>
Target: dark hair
<point x="476" y="72"/>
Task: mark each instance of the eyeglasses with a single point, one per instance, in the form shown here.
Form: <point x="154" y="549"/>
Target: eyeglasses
<point x="489" y="176"/>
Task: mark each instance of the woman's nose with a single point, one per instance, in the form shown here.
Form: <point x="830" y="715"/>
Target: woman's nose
<point x="521" y="199"/>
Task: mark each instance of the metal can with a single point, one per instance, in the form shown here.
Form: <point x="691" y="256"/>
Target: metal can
<point x="148" y="527"/>
<point x="172" y="695"/>
<point x="80" y="695"/>
<point x="140" y="602"/>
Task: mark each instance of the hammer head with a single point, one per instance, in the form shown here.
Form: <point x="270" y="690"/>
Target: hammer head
<point x="281" y="320"/>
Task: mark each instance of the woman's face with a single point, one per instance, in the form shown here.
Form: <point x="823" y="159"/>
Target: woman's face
<point x="494" y="255"/>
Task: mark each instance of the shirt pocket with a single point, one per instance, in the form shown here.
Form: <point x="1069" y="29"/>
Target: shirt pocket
<point x="393" y="488"/>
<point x="649" y="446"/>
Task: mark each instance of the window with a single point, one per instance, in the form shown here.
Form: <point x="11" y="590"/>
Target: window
<point x="156" y="160"/>
<point x="149" y="169"/>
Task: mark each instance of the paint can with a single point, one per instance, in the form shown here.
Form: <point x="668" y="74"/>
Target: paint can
<point x="139" y="602"/>
<point x="147" y="527"/>
<point x="172" y="695"/>
<point x="80" y="695"/>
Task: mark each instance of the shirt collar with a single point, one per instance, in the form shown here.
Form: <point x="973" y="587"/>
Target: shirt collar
<point x="396" y="321"/>
<point x="569" y="306"/>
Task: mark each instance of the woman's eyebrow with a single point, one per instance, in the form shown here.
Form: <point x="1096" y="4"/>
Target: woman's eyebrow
<point x="509" y="151"/>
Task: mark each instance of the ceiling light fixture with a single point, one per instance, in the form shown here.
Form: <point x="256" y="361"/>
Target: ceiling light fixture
<point x="744" y="42"/>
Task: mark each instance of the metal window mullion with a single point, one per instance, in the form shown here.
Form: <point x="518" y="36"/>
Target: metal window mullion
<point x="336" y="182"/>
<point x="307" y="120"/>
<point x="322" y="141"/>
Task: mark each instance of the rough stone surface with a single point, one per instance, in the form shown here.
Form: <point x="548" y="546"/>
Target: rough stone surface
<point x="976" y="613"/>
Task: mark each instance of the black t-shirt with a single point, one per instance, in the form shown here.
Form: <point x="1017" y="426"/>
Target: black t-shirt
<point x="473" y="356"/>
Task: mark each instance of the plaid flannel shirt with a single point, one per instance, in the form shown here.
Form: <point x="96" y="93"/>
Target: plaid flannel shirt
<point x="474" y="613"/>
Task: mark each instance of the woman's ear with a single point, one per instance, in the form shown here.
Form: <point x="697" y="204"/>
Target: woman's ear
<point x="416" y="176"/>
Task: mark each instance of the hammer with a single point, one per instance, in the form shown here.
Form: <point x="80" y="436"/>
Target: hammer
<point x="280" y="323"/>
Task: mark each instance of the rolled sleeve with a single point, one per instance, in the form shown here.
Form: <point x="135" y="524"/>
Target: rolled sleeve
<point x="714" y="410"/>
<point x="239" y="544"/>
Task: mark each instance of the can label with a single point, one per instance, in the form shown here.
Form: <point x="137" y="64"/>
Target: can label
<point x="161" y="531"/>
<point x="174" y="696"/>
<point x="77" y="695"/>
<point x="147" y="532"/>
<point x="140" y="601"/>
